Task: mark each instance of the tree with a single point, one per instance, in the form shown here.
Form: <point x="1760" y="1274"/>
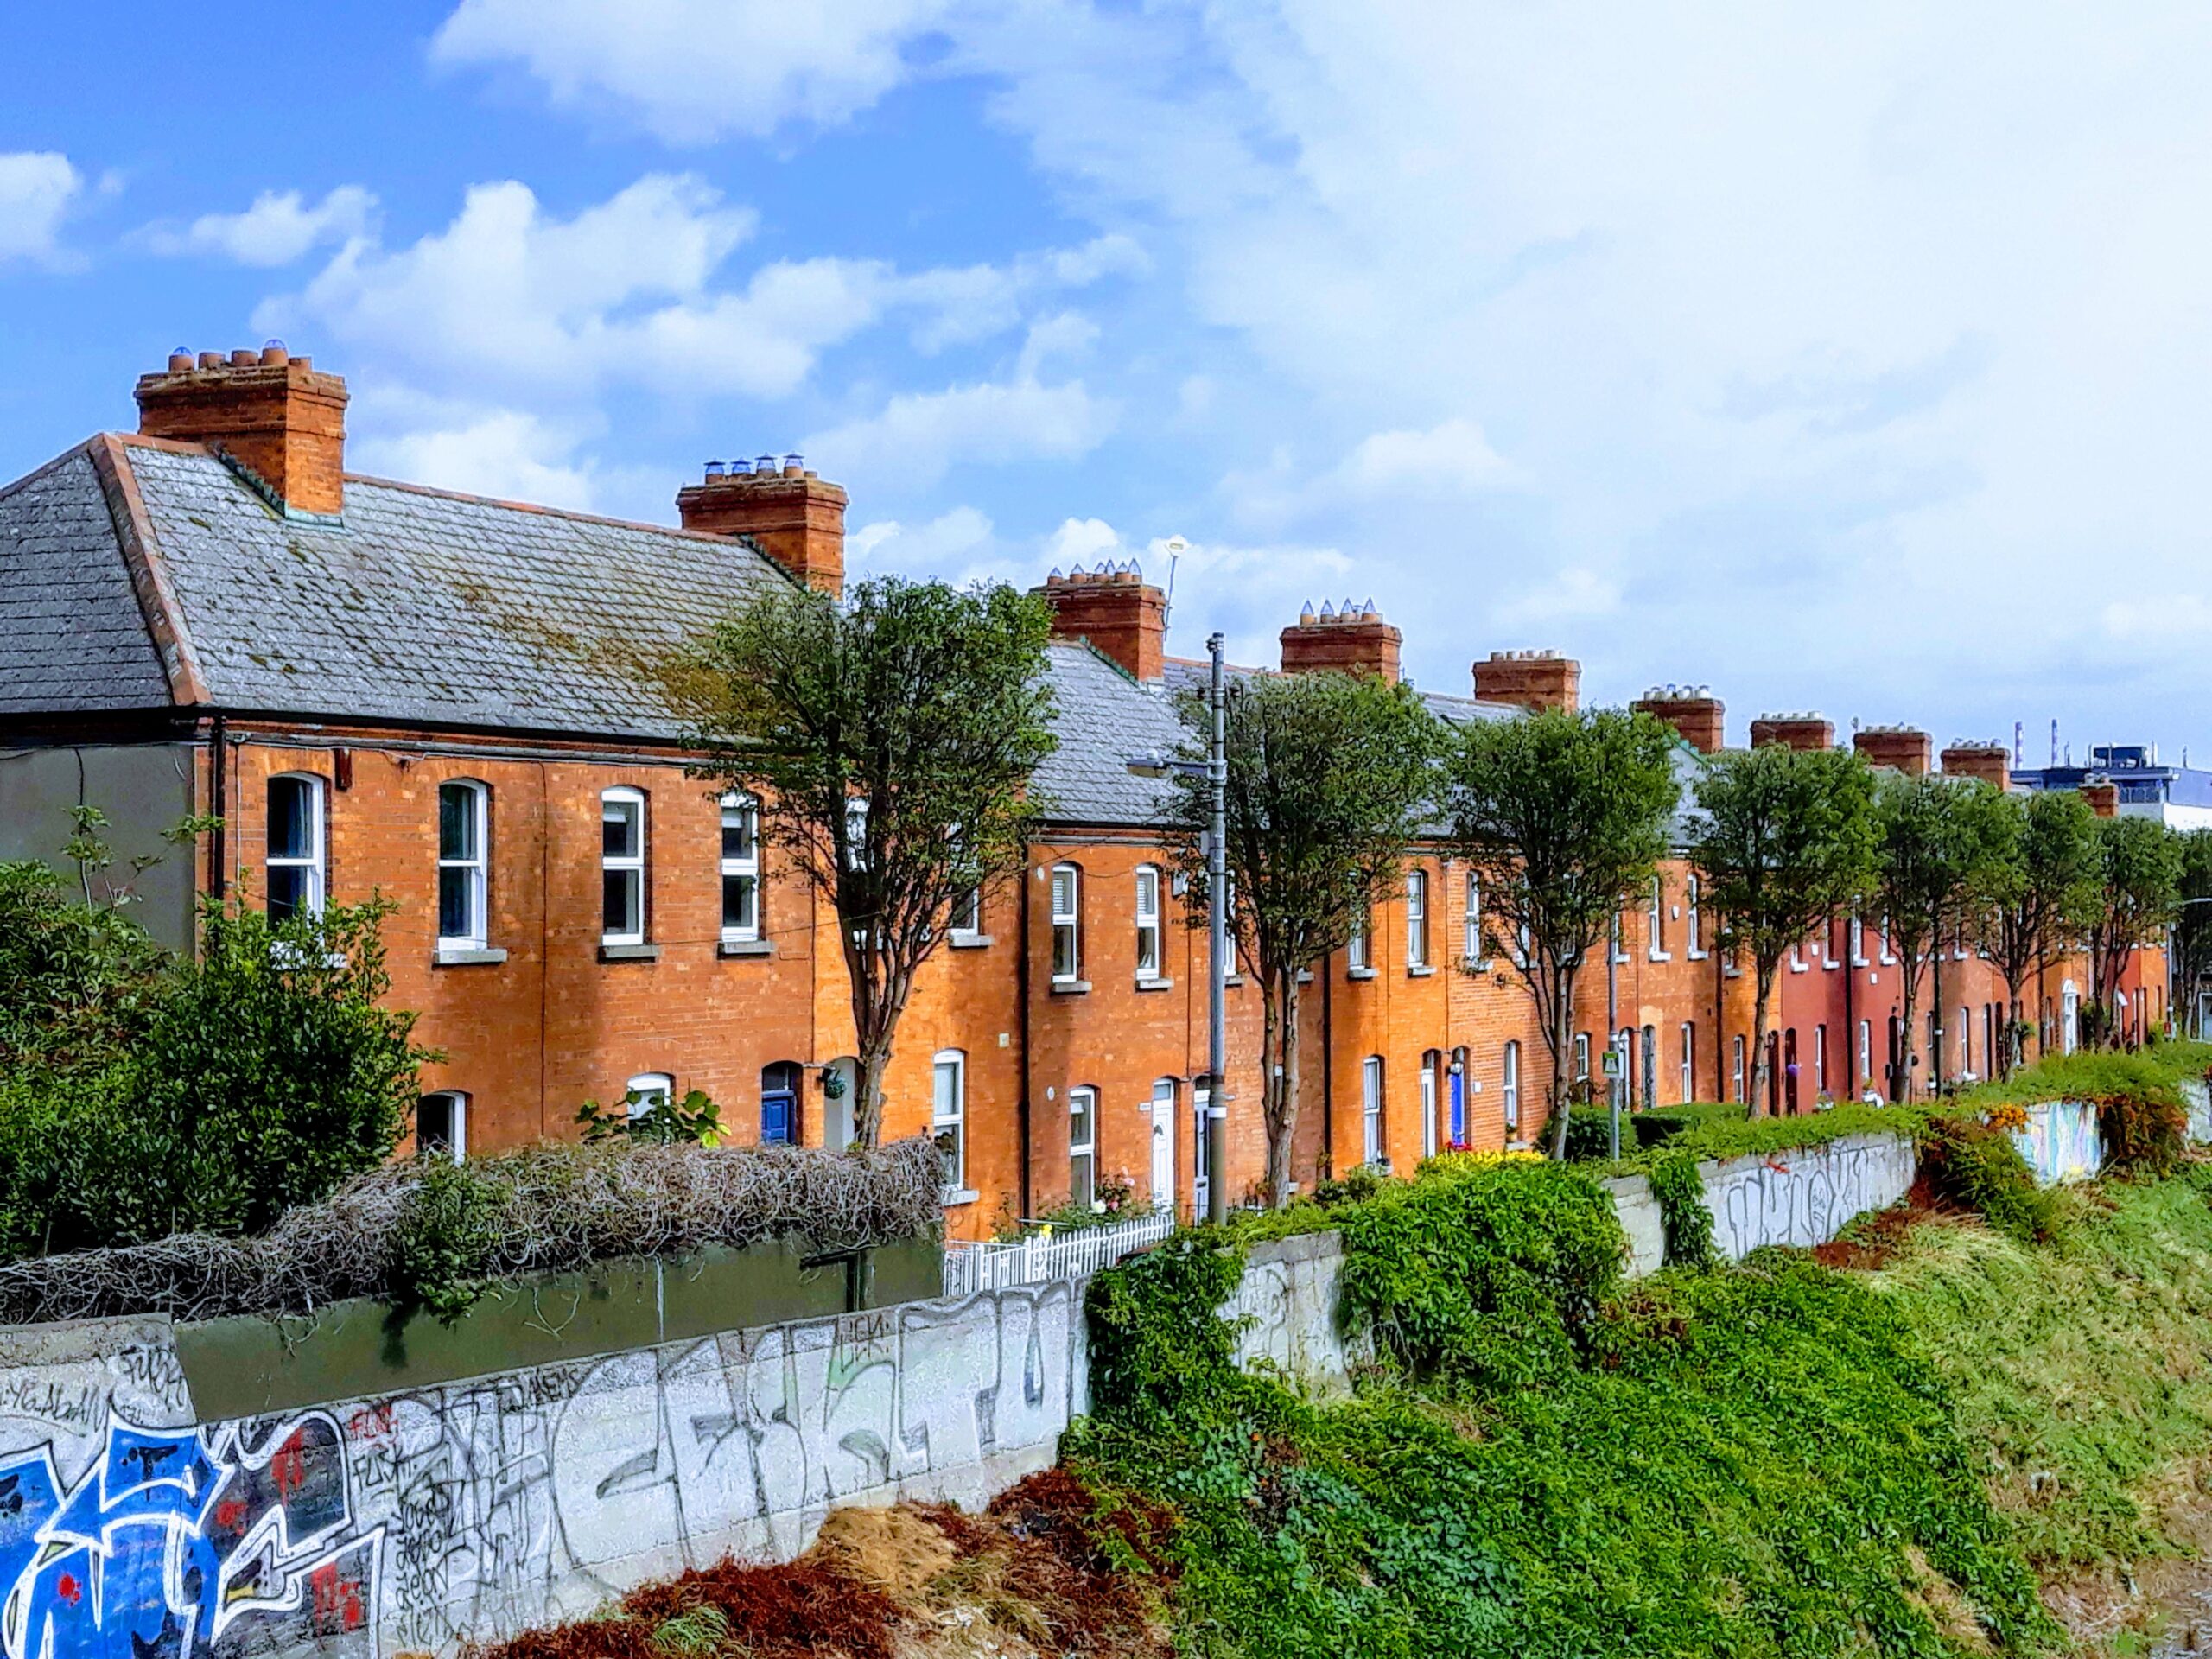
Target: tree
<point x="2042" y="873"/>
<point x="2136" y="893"/>
<point x="214" y="1091"/>
<point x="2193" y="922"/>
<point x="1329" y="774"/>
<point x="1561" y="815"/>
<point x="888" y="742"/>
<point x="1784" y="839"/>
<point x="1937" y="844"/>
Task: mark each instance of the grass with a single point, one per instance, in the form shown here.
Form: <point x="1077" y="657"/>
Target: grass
<point x="2083" y="1368"/>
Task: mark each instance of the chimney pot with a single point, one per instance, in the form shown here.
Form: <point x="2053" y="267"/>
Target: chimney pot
<point x="1536" y="680"/>
<point x="1354" y="640"/>
<point x="1698" y="716"/>
<point x="180" y="360"/>
<point x="1121" y="617"/>
<point x="270" y="415"/>
<point x="797" y="519"/>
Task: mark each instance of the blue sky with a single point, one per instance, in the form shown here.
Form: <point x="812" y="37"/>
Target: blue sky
<point x="1848" y="361"/>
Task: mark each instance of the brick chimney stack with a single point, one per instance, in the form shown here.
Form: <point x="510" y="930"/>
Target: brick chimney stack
<point x="1356" y="640"/>
<point x="1903" y="747"/>
<point x="793" y="516"/>
<point x="268" y="412"/>
<point x="1121" y="615"/>
<point x="1692" y="710"/>
<point x="2102" y="795"/>
<point x="1991" y="762"/>
<point x="1794" y="731"/>
<point x="1537" y="680"/>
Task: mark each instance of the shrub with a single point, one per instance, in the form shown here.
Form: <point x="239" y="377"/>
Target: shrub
<point x="1678" y="1188"/>
<point x="213" y="1093"/>
<point x="1976" y="1166"/>
<point x="74" y="977"/>
<point x="1488" y="1271"/>
<point x="1590" y="1134"/>
<point x="1663" y="1124"/>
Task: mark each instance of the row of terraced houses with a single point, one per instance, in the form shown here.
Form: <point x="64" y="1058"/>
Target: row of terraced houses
<point x="379" y="687"/>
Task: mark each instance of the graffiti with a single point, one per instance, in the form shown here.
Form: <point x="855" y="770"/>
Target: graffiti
<point x="176" y="1542"/>
<point x="1285" y="1307"/>
<point x="2061" y="1142"/>
<point x="466" y="1511"/>
<point x="1806" y="1196"/>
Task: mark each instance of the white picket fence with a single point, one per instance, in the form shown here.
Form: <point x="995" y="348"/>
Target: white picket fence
<point x="991" y="1265"/>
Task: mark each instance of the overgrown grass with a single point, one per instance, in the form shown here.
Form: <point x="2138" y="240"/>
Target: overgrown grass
<point x="1753" y="1462"/>
<point x="2083" y="1367"/>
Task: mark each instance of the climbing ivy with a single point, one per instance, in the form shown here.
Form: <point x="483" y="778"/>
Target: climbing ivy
<point x="1678" y="1188"/>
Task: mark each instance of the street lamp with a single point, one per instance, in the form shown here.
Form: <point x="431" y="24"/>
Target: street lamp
<point x="1216" y="772"/>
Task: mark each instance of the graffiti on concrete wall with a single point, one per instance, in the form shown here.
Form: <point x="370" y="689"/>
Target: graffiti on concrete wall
<point x="2061" y="1142"/>
<point x="1285" y="1308"/>
<point x="1806" y="1196"/>
<point x="467" y="1510"/>
<point x="182" y="1541"/>
<point x="2196" y="1094"/>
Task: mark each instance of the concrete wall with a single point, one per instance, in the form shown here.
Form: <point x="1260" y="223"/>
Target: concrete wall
<point x="1287" y="1308"/>
<point x="1806" y="1196"/>
<point x="2060" y="1143"/>
<point x="131" y="1528"/>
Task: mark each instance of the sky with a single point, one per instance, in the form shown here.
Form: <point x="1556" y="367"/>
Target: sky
<point x="1856" y="359"/>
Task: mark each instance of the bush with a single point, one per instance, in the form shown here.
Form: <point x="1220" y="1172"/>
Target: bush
<point x="1976" y="1166"/>
<point x="1663" y="1124"/>
<point x="208" y="1095"/>
<point x="74" y="977"/>
<point x="1590" y="1134"/>
<point x="1488" y="1270"/>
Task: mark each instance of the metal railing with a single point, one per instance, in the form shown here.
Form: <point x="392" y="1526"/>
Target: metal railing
<point x="970" y="1268"/>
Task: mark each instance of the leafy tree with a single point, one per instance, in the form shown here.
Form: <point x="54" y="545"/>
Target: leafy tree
<point x="2193" y="921"/>
<point x="258" y="1074"/>
<point x="890" y="741"/>
<point x="74" y="977"/>
<point x="2137" y="892"/>
<point x="1329" y="774"/>
<point x="1938" y="842"/>
<point x="1561" y="815"/>
<point x="1784" y="839"/>
<point x="2043" y="871"/>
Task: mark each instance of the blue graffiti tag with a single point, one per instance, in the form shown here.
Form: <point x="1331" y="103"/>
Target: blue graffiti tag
<point x="173" y="1536"/>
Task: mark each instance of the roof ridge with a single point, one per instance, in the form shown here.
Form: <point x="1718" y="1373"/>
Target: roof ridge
<point x="149" y="573"/>
<point x="576" y="514"/>
<point x="46" y="466"/>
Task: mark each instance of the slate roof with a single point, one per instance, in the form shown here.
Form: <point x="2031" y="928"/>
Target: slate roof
<point x="1104" y="720"/>
<point x="73" y="638"/>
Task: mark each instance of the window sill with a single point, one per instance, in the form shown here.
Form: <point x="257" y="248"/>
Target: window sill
<point x="1154" y="982"/>
<point x="1830" y="962"/>
<point x="1798" y="968"/>
<point x="968" y="941"/>
<point x="1233" y="980"/>
<point x="953" y="1198"/>
<point x="1070" y="988"/>
<point x="629" y="953"/>
<point x="1860" y="962"/>
<point x="1305" y="977"/>
<point x="1419" y="970"/>
<point x="1475" y="964"/>
<point x="461" y="955"/>
<point x="1700" y="956"/>
<point x="745" y="948"/>
<point x="1658" y="956"/>
<point x="1359" y="973"/>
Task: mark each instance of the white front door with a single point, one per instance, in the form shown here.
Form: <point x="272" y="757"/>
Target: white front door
<point x="1163" y="1145"/>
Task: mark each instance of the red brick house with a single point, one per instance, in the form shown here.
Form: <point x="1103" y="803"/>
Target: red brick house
<point x="383" y="689"/>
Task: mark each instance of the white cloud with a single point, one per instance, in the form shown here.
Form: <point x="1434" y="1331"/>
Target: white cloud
<point x="36" y="189"/>
<point x="279" y="228"/>
<point x="916" y="437"/>
<point x="1452" y="459"/>
<point x="1574" y="594"/>
<point x="632" y="290"/>
<point x="695" y="70"/>
<point x="503" y="453"/>
<point x="954" y="544"/>
<point x="2157" y="623"/>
